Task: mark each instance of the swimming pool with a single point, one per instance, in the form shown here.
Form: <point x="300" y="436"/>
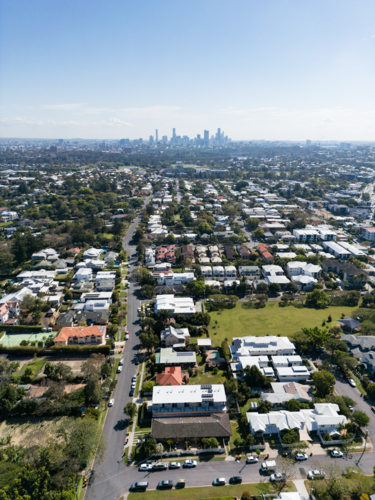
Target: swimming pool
<point x="215" y="355"/>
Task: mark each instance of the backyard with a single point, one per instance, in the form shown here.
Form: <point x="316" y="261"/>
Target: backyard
<point x="270" y="320"/>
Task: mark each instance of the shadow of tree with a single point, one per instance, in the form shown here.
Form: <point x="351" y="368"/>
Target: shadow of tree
<point x="121" y="425"/>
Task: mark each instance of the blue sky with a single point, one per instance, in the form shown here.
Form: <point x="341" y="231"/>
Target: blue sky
<point x="271" y="69"/>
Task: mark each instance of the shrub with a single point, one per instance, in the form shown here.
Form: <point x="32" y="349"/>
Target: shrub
<point x="246" y="495"/>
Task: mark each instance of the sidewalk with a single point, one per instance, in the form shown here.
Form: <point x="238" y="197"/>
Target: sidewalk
<point x="301" y="489"/>
<point x="133" y="435"/>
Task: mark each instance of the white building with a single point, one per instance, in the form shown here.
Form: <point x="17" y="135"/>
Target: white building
<point x="8" y="215"/>
<point x="306" y="235"/>
<point x="92" y="253"/>
<point x="230" y="272"/>
<point x="206" y="271"/>
<point x="303" y="268"/>
<point x="175" y="305"/>
<point x="173" y="401"/>
<point x="292" y="373"/>
<point x="324" y="418"/>
<point x="170" y="279"/>
<point x="261" y="346"/>
<point x="83" y="274"/>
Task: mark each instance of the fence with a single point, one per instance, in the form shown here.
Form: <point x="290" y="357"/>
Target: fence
<point x="334" y="441"/>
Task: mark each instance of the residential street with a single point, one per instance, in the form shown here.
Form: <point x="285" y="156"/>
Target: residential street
<point x="116" y="422"/>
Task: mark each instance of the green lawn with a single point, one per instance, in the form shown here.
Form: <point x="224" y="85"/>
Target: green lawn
<point x="138" y="381"/>
<point x="235" y="433"/>
<point x="36" y="367"/>
<point x="207" y="377"/>
<point x="211" y="492"/>
<point x="271" y="320"/>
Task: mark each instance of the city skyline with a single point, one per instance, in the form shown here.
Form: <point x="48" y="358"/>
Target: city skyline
<point x="302" y="72"/>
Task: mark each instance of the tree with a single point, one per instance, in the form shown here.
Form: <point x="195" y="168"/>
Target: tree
<point x="253" y="377"/>
<point x="371" y="390"/>
<point x="293" y="405"/>
<point x="195" y="288"/>
<point x="246" y="495"/>
<point x="287" y="469"/>
<point x="93" y="390"/>
<point x="324" y="383"/>
<point x="131" y="410"/>
<point x="317" y="299"/>
<point x="48" y="370"/>
<point x="93" y="365"/>
<point x="210" y="443"/>
<point x="258" y="233"/>
<point x="262" y="288"/>
<point x="290" y="437"/>
<point x="275" y="288"/>
<point x="147" y="291"/>
<point x="360" y="418"/>
<point x="317" y="336"/>
<point x="291" y="287"/>
<point x="264" y="407"/>
<point x="28" y="302"/>
<point x="149" y="341"/>
<point x="170" y="443"/>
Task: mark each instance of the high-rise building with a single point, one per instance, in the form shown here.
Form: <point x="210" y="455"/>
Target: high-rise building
<point x="156" y="135"/>
<point x="206" y="136"/>
<point x="151" y="140"/>
<point x="308" y="143"/>
<point x="174" y="133"/>
<point x="164" y="139"/>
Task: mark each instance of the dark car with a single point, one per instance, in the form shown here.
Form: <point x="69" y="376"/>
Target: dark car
<point x="165" y="484"/>
<point x="140" y="486"/>
<point x="235" y="480"/>
<point x="131" y="393"/>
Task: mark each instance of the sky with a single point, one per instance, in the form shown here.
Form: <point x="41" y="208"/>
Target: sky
<point x="113" y="69"/>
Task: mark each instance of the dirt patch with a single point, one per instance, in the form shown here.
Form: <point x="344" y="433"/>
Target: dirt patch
<point x="75" y="364"/>
<point x="31" y="431"/>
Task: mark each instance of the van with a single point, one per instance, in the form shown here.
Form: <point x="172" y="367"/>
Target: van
<point x="160" y="466"/>
<point x="139" y="486"/>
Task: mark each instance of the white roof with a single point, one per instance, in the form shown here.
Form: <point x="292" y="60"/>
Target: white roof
<point x="188" y="394"/>
<point x="286" y="359"/>
<point x="204" y="342"/>
<point x="292" y="371"/>
<point x="178" y="305"/>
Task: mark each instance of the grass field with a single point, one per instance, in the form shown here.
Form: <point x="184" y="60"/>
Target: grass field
<point x="271" y="320"/>
<point x="211" y="492"/>
<point x="36" y="366"/>
<point x="33" y="431"/>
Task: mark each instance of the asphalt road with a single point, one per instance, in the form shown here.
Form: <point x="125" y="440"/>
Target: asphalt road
<point x="101" y="485"/>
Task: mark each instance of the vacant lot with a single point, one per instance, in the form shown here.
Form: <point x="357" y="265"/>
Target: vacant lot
<point x="271" y="320"/>
<point x="224" y="492"/>
<point x="30" y="431"/>
<point x="75" y="364"/>
<point x="35" y="366"/>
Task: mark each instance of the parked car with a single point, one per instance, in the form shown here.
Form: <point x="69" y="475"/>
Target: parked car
<point x="336" y="454"/>
<point x="133" y="385"/>
<point x="111" y="402"/>
<point x="190" y="463"/>
<point x="134" y="378"/>
<point x="352" y="382"/>
<point x="119" y="369"/>
<point x="121" y="362"/>
<point x="235" y="480"/>
<point x="180" y="483"/>
<point x="174" y="465"/>
<point x="315" y="474"/>
<point x="127" y="336"/>
<point x="131" y="393"/>
<point x="144" y="467"/>
<point x="277" y="477"/>
<point x="165" y="484"/>
<point x="220" y="481"/>
<point x="350" y="407"/>
<point x="139" y="486"/>
<point x="252" y="460"/>
<point x="301" y="456"/>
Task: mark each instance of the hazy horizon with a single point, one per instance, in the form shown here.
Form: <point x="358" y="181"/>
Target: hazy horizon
<point x="277" y="70"/>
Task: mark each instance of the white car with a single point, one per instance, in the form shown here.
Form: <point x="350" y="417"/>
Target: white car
<point x="252" y="460"/>
<point x="127" y="336"/>
<point x="121" y="362"/>
<point x="144" y="467"/>
<point x="133" y="385"/>
<point x="301" y="456"/>
<point x="337" y="454"/>
<point x="315" y="474"/>
<point x="111" y="402"/>
<point x="352" y="382"/>
<point x="220" y="481"/>
<point x="174" y="465"/>
<point x="277" y="478"/>
<point x="134" y="378"/>
<point x="119" y="369"/>
<point x="190" y="463"/>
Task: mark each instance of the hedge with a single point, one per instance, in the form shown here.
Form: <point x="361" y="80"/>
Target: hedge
<point x="22" y="329"/>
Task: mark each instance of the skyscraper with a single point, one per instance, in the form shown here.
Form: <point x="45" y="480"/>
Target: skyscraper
<point x="156" y="135"/>
<point x="206" y="136"/>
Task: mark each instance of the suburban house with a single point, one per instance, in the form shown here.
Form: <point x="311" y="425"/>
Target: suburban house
<point x="261" y="362"/>
<point x="303" y="268"/>
<point x="283" y="392"/>
<point x="274" y="274"/>
<point x="174" y="336"/>
<point x="170" y="278"/>
<point x="323" y="418"/>
<point x="187" y="252"/>
<point x="264" y="253"/>
<point x="206" y="271"/>
<point x="244" y="252"/>
<point x="347" y="271"/>
<point x="9" y="310"/>
<point x="167" y="357"/>
<point x="250" y="272"/>
<point x="81" y="335"/>
<point x="175" y="305"/>
<point x="292" y="373"/>
<point x="172" y="376"/>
